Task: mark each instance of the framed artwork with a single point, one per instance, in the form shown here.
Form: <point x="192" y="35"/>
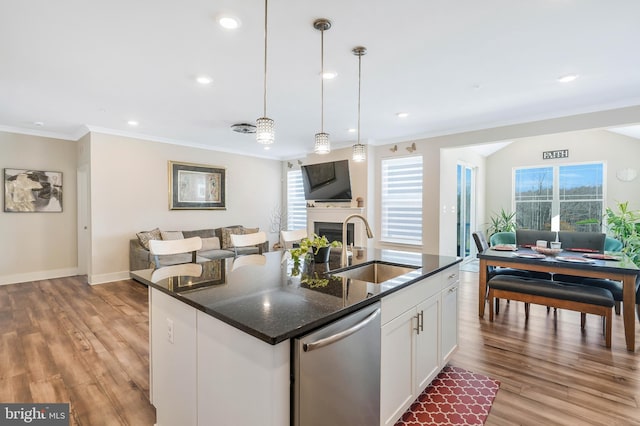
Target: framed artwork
<point x="196" y="186"/>
<point x="32" y="191"/>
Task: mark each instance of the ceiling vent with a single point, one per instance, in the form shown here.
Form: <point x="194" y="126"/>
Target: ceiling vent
<point x="243" y="128"/>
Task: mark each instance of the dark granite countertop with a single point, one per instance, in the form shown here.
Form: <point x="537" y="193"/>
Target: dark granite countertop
<point x="259" y="295"/>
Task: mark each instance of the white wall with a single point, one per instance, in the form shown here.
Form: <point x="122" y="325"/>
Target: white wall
<point x="129" y="193"/>
<point x="39" y="245"/>
<point x="430" y="150"/>
<point x="616" y="151"/>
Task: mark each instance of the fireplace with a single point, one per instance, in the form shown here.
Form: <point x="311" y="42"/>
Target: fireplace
<point x="333" y="231"/>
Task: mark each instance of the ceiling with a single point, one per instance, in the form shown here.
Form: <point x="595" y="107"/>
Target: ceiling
<point x="73" y="65"/>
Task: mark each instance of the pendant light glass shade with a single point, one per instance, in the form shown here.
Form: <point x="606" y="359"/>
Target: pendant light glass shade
<point x="265" y="130"/>
<point x="322" y="144"/>
<point x="359" y="150"/>
<point x="359" y="153"/>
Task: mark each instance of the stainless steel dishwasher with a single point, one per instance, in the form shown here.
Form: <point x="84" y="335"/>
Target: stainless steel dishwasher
<point x="337" y="372"/>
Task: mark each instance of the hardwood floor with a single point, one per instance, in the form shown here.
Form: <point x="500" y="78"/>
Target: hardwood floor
<point x="551" y="373"/>
<point x="65" y="341"/>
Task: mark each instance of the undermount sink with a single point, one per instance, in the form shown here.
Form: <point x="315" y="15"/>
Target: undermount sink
<point x="375" y="272"/>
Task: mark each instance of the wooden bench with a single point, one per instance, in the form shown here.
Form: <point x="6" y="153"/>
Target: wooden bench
<point x="574" y="297"/>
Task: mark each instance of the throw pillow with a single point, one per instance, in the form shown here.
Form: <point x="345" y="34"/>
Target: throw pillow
<point x="226" y="236"/>
<point x="212" y="243"/>
<point x="146" y="236"/>
<point x="172" y="235"/>
<point x="246" y="231"/>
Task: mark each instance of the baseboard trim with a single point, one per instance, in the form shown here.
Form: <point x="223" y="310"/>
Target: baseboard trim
<point x="38" y="275"/>
<point x="107" y="278"/>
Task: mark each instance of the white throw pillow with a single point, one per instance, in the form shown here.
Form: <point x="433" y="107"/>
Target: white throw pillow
<point x="172" y="235"/>
<point x="212" y="243"/>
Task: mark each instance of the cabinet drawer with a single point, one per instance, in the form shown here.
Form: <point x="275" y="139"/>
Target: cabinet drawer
<point x="449" y="276"/>
<point x="397" y="303"/>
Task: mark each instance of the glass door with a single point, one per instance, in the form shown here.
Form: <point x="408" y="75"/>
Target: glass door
<point x="466" y="208"/>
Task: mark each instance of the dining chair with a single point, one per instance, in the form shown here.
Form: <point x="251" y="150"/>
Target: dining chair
<point x="502" y="238"/>
<point x="587" y="241"/>
<point x="482" y="245"/>
<point x="177" y="249"/>
<point x="255" y="239"/>
<point x="529" y="237"/>
<point x="611" y="244"/>
<point x="290" y="237"/>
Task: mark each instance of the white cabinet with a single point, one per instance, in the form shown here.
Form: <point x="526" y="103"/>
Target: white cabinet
<point x="397" y="388"/>
<point x="449" y="323"/>
<point x="427" y="356"/>
<point x="419" y="335"/>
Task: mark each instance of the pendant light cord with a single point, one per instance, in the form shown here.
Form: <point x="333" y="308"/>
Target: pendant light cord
<point x="265" y="58"/>
<point x="322" y="81"/>
<point x="359" y="90"/>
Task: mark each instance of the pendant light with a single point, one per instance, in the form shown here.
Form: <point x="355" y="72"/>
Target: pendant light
<point x="359" y="150"/>
<point x="322" y="144"/>
<point x="264" y="126"/>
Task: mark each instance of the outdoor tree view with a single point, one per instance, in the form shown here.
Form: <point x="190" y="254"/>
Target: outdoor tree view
<point x="574" y="192"/>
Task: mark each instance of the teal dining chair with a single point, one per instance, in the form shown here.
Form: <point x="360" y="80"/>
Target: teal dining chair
<point x="611" y="244"/>
<point x="502" y="238"/>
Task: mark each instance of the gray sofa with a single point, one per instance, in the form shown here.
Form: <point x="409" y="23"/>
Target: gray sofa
<point x="215" y="245"/>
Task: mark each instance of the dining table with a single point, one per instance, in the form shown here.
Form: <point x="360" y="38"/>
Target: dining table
<point x="614" y="266"/>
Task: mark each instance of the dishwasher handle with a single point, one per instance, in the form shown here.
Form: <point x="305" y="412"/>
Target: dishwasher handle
<point x="308" y="347"/>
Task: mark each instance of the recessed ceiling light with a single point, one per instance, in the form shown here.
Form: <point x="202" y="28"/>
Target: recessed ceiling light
<point x="402" y="114"/>
<point x="567" y="78"/>
<point x="352" y="130"/>
<point x="329" y="75"/>
<point x="267" y="148"/>
<point x="203" y="79"/>
<point x="132" y="123"/>
<point x="229" y="22"/>
<point x="38" y="123"/>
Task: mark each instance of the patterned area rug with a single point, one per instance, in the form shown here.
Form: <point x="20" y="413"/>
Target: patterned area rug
<point x="455" y="397"/>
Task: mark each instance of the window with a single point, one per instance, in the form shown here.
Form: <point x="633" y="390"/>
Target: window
<point x="564" y="197"/>
<point x="296" y="204"/>
<point x="401" y="200"/>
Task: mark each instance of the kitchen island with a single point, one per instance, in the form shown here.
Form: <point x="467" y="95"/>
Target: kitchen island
<point x="221" y="338"/>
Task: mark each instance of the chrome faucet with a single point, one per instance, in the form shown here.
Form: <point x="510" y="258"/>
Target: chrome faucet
<point x="343" y="263"/>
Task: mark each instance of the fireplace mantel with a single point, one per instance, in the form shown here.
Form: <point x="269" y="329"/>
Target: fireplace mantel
<point x="338" y="214"/>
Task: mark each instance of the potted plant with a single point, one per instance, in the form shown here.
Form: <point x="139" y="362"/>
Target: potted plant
<point x="624" y="225"/>
<point x="502" y="222"/>
<point x="318" y="246"/>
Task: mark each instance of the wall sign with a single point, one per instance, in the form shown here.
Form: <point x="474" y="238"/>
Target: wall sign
<point x="552" y="155"/>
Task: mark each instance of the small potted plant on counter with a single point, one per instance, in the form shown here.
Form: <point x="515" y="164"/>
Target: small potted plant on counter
<point x="318" y="246"/>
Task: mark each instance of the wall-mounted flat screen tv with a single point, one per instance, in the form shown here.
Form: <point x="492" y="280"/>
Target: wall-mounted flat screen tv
<point x="327" y="181"/>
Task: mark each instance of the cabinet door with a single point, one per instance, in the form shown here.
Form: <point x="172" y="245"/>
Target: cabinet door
<point x="427" y="354"/>
<point x="397" y="366"/>
<point x="449" y="330"/>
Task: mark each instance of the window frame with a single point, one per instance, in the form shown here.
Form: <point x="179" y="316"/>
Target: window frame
<point x="555" y="220"/>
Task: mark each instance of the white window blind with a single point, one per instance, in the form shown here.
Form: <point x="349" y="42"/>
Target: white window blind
<point x="401" y="200"/>
<point x="296" y="204"/>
